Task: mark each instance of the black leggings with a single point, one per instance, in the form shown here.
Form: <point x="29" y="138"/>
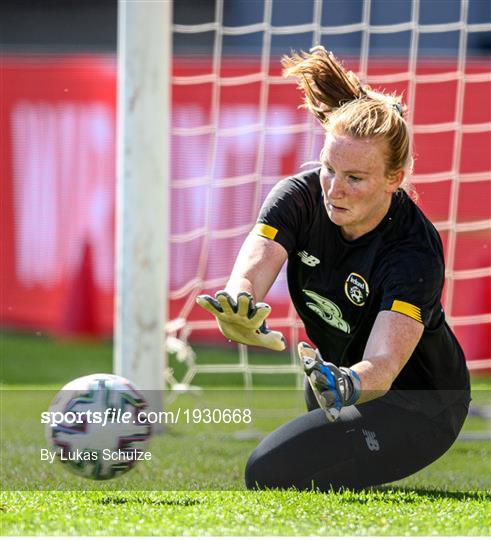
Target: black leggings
<point x="370" y="444"/>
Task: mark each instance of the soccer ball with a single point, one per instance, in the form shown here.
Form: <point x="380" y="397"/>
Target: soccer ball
<point x="97" y="426"/>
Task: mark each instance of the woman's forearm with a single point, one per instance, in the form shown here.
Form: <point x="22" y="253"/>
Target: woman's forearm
<point x="256" y="267"/>
<point x="376" y="375"/>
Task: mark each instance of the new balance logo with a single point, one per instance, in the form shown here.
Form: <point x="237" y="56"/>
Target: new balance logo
<point x="371" y="440"/>
<point x="307" y="259"/>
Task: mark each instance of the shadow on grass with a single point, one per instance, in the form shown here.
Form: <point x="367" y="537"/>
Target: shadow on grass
<point x="459" y="495"/>
<point x="183" y="501"/>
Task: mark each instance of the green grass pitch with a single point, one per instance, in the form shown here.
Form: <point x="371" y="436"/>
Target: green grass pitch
<point x="194" y="485"/>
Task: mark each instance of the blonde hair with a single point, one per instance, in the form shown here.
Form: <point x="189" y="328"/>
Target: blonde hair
<point x="338" y="100"/>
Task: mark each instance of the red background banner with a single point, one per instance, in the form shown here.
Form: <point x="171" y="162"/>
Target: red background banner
<point x="58" y="184"/>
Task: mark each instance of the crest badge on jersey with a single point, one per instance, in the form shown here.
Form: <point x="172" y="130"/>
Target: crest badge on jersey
<point x="356" y="289"/>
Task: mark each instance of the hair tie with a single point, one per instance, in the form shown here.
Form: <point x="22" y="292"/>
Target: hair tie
<point x="398" y="108"/>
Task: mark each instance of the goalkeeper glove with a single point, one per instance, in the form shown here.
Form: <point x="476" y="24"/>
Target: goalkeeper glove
<point x="333" y="387"/>
<point x="242" y="321"/>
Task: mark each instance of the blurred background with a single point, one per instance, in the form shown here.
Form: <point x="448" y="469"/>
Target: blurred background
<point x="236" y="130"/>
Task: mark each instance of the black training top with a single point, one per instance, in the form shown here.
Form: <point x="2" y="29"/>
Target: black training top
<point x="338" y="287"/>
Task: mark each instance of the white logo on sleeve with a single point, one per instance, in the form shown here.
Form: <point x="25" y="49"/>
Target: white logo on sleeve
<point x="307" y="259"/>
<point x="371" y="440"/>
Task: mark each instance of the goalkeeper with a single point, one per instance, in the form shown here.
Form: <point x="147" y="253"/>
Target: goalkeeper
<point x="387" y="388"/>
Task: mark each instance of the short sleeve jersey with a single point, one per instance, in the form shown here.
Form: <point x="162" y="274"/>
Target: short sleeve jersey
<point x="338" y="287"/>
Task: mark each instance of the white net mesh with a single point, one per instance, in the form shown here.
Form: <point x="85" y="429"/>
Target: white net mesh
<point x="237" y="131"/>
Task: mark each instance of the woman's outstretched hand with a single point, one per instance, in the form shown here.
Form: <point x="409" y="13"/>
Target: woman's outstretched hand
<point x="241" y="320"/>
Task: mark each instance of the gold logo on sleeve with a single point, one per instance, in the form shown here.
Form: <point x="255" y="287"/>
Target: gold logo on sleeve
<point x="407" y="309"/>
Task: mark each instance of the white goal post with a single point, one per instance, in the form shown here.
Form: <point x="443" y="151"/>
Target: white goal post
<point x="143" y="127"/>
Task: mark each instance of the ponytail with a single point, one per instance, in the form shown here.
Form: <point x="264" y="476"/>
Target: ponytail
<point x="324" y="82"/>
<point x="341" y="103"/>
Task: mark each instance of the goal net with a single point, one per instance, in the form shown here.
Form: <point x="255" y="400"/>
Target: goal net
<point x="236" y="130"/>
